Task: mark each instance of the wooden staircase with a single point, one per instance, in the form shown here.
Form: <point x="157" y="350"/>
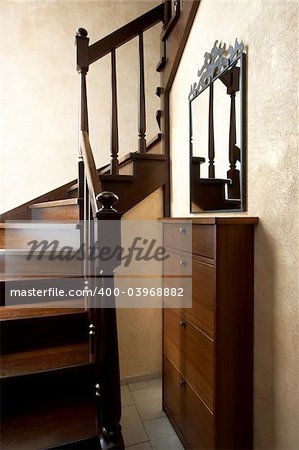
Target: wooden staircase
<point x="46" y="371"/>
<point x="210" y="193"/>
<point x="54" y="353"/>
<point x="139" y="176"/>
<point x="59" y="375"/>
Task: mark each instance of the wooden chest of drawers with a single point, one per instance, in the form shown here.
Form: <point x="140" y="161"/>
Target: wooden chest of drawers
<point x="208" y="349"/>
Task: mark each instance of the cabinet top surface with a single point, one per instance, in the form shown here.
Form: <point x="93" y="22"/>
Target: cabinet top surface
<point x="213" y="220"/>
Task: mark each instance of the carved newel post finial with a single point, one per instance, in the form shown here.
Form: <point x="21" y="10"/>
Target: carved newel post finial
<point x="81" y="32"/>
<point x="107" y="199"/>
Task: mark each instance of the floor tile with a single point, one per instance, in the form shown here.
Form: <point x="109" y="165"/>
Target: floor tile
<point x="149" y="403"/>
<point x="158" y="428"/>
<point x="143" y="446"/>
<point x="126" y="397"/>
<point x="167" y="443"/>
<point x="132" y="427"/>
<point x="155" y="382"/>
<point x="138" y="386"/>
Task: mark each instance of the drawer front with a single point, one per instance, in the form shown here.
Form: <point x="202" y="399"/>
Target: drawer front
<point x="191" y="352"/>
<point x="198" y="239"/>
<point x="202" y="313"/>
<point x="192" y="417"/>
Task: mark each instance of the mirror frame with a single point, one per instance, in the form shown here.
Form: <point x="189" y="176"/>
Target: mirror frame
<point x="216" y="63"/>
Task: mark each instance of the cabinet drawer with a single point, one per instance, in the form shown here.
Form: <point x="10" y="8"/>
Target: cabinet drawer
<point x="191" y="352"/>
<point x="202" y="293"/>
<point x="198" y="239"/>
<point x="194" y="419"/>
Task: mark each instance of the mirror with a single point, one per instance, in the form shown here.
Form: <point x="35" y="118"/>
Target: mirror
<point x="217" y="132"/>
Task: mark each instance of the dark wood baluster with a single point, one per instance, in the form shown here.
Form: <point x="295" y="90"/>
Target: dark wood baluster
<point x="90" y="233"/>
<point x="82" y="42"/>
<point x="114" y="170"/>
<point x="211" y="149"/>
<point x="106" y="342"/>
<point x="232" y="131"/>
<point x="85" y="213"/>
<point x="234" y="152"/>
<point x="141" y="109"/>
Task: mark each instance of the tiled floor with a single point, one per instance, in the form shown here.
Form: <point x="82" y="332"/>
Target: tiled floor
<point x="144" y="424"/>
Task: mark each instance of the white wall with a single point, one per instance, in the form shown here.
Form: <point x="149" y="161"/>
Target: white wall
<point x="269" y="29"/>
<point x="39" y="90"/>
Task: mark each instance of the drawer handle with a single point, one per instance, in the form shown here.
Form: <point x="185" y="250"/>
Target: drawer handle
<point x="182" y="382"/>
<point x="182" y="263"/>
<point x="182" y="323"/>
<point x="182" y="230"/>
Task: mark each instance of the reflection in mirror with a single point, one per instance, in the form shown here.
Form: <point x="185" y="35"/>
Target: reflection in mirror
<point x="217" y="153"/>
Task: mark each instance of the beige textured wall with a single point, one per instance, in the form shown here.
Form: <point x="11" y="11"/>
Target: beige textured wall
<point x="140" y="330"/>
<point x="270" y="30"/>
<point x="39" y="90"/>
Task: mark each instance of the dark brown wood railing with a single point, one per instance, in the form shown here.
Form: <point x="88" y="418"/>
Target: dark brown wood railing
<point x="88" y="54"/>
<point x="97" y="207"/>
<point x="125" y="33"/>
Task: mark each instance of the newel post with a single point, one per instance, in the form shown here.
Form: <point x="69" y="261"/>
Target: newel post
<point x="106" y="341"/>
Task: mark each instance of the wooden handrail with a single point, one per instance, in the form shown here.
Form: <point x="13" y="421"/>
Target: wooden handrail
<point x="92" y="177"/>
<point x="125" y="33"/>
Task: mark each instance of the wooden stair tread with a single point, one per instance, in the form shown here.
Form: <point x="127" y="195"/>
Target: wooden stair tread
<point x="65" y="422"/>
<point x="214" y="181"/>
<point x="107" y="176"/>
<point x="149" y="156"/>
<point x="41" y="310"/>
<point x="41" y="360"/>
<point x="55" y="203"/>
<point x="39" y="225"/>
<point x="124" y="159"/>
<point x="9" y="277"/>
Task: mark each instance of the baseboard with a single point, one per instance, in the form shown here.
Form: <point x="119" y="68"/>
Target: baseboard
<point x="140" y="378"/>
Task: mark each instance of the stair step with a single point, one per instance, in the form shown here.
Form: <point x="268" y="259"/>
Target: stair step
<point x="44" y="360"/>
<point x="214" y="181"/>
<point x="65" y="209"/>
<point x="108" y="177"/>
<point x="148" y="156"/>
<point x="54" y="203"/>
<point x="152" y="149"/>
<point x="42" y="331"/>
<point x="61" y="422"/>
<point x="41" y="310"/>
<point x="17" y="283"/>
<point x="17" y="235"/>
<point x="232" y="204"/>
<point x="209" y="193"/>
<point x="14" y="263"/>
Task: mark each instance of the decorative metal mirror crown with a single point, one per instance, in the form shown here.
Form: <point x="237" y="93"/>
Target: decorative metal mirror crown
<point x="217" y="131"/>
